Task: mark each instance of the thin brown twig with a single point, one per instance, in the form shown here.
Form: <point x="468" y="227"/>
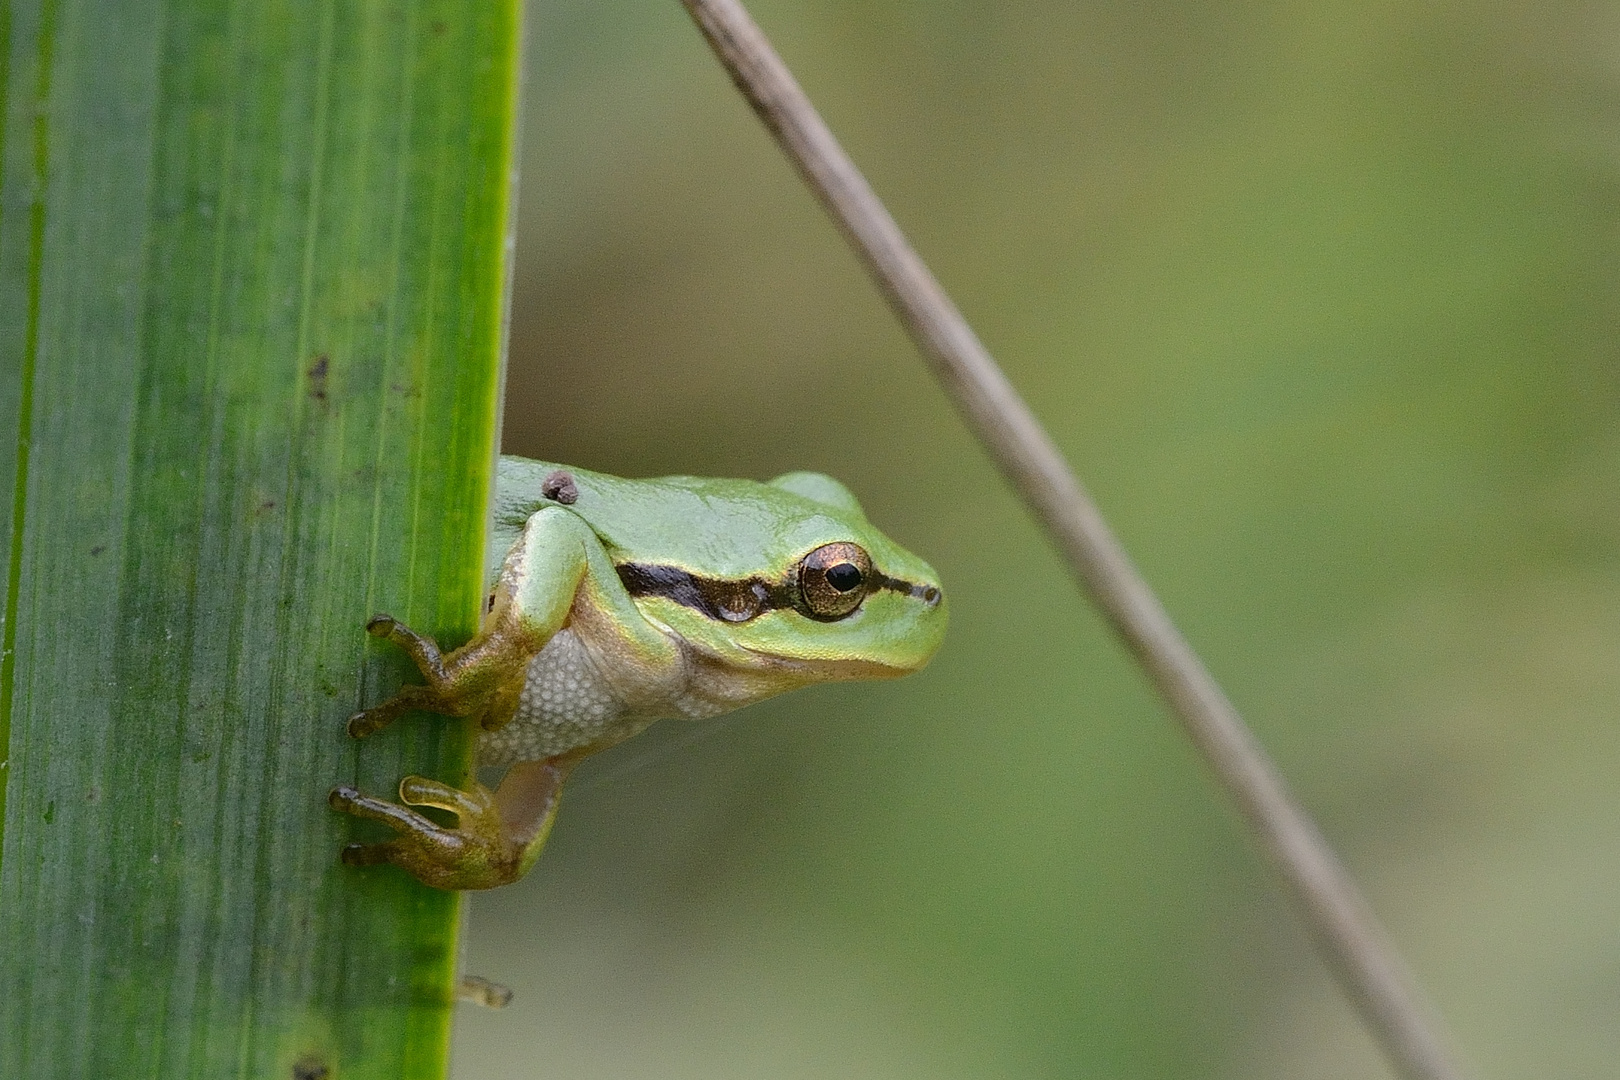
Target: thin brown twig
<point x="1356" y="946"/>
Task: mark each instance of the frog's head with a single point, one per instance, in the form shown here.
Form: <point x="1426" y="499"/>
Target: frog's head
<point x="814" y="593"/>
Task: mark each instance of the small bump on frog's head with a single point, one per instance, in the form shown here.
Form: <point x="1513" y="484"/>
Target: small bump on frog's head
<point x="559" y="486"/>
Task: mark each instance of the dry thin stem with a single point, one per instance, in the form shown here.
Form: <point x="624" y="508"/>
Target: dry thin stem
<point x="1356" y="946"/>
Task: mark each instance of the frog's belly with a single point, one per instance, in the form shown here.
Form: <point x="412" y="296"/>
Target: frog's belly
<point x="566" y="704"/>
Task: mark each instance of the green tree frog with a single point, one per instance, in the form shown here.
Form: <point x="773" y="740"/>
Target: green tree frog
<point x="621" y="602"/>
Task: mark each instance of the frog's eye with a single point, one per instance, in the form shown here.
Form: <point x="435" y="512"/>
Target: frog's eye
<point x="833" y="580"/>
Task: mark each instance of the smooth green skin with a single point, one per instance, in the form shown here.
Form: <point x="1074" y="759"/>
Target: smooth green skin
<point x="557" y="568"/>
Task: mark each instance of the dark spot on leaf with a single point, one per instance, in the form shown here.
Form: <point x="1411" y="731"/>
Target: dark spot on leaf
<point x="317" y="377"/>
<point x="50" y="811"/>
<point x="439" y="27"/>
<point x="310" y="1068"/>
<point x="98" y="549"/>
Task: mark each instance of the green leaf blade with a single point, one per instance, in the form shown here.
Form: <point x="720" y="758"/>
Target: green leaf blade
<point x="251" y="265"/>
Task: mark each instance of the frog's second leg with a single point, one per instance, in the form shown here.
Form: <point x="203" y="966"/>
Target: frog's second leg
<point x="498" y="834"/>
<point x="530" y="603"/>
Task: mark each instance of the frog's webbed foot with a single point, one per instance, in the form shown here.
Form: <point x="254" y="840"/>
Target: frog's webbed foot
<point x="479" y="853"/>
<point x="497" y="837"/>
<point x="466" y="682"/>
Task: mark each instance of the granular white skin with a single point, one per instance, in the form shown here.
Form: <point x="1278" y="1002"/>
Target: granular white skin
<point x="566" y="704"/>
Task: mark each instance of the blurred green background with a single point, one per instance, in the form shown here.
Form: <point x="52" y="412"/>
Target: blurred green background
<point x="1321" y="299"/>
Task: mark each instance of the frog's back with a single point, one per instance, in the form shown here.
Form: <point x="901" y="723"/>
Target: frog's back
<point x="716" y="527"/>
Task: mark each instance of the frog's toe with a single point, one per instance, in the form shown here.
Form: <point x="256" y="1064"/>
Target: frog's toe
<point x="369" y="721"/>
<point x="342" y="797"/>
<point x="469" y="806"/>
<point x="349" y="800"/>
<point x="419" y="647"/>
<point x="372" y="720"/>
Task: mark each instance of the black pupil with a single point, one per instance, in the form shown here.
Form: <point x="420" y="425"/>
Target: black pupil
<point x="844" y="577"/>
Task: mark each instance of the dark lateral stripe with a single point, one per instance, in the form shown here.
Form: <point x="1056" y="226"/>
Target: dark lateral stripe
<point x="928" y="594"/>
<point x="734" y="600"/>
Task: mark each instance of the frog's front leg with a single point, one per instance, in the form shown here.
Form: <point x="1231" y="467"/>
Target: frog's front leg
<point x="530" y="603"/>
<point x="498" y="834"/>
<point x="557" y="561"/>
